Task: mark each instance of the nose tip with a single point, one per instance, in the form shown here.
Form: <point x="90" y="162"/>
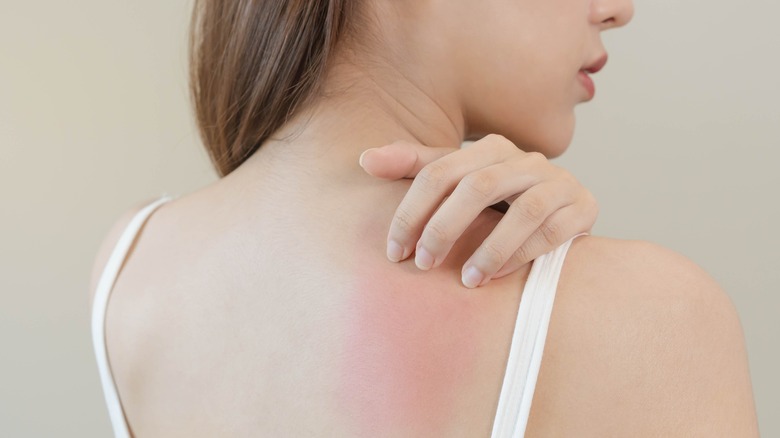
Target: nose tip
<point x="628" y="13"/>
<point x="613" y="13"/>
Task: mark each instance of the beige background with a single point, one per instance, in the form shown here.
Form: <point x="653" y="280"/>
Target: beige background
<point x="680" y="147"/>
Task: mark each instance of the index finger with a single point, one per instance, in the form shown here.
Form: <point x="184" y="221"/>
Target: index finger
<point x="400" y="159"/>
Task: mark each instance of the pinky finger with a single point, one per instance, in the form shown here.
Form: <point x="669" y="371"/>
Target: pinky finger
<point x="568" y="221"/>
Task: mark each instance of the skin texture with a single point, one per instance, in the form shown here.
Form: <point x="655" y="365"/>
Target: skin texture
<point x="415" y="342"/>
<point x="211" y="333"/>
<point x="403" y="347"/>
<point x="264" y="305"/>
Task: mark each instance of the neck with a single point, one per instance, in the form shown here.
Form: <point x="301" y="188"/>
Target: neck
<point x="361" y="110"/>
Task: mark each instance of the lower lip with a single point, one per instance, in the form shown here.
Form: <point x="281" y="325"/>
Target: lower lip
<point x="587" y="82"/>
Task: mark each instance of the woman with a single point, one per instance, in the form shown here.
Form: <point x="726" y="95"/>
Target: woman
<point x="264" y="304"/>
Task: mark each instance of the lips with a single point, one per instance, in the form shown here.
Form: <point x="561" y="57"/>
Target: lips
<point x="592" y="67"/>
<point x="596" y="65"/>
<point x="587" y="83"/>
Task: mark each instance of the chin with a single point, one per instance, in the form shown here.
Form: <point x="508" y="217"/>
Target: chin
<point x="556" y="151"/>
<point x="550" y="137"/>
<point x="552" y="141"/>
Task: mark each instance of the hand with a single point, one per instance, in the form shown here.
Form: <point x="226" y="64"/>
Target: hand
<point x="546" y="204"/>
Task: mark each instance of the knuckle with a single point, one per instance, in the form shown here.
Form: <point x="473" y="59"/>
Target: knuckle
<point x="536" y="157"/>
<point x="520" y="257"/>
<point x="529" y="208"/>
<point x="551" y="232"/>
<point x="594" y="203"/>
<point x="588" y="205"/>
<point x="566" y="176"/>
<point x="481" y="183"/>
<point x="433" y="175"/>
<point x="403" y="223"/>
<point x="500" y="141"/>
<point x="492" y="257"/>
<point x="436" y="234"/>
<point x="496" y="138"/>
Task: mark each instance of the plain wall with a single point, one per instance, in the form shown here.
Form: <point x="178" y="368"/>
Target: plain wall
<point x="680" y="147"/>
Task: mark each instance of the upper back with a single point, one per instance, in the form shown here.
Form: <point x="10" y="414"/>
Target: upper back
<point x="307" y="323"/>
<point x="225" y="321"/>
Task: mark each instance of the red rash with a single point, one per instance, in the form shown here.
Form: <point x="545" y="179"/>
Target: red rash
<point x="410" y="347"/>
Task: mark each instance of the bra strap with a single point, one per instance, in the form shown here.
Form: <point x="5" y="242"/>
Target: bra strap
<point x="525" y="352"/>
<point x="99" y="306"/>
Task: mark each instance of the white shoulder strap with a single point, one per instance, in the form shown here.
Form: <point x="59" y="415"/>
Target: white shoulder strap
<point x="99" y="306"/>
<point x="525" y="352"/>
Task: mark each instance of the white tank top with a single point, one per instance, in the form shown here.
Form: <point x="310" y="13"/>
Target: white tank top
<point x="525" y="353"/>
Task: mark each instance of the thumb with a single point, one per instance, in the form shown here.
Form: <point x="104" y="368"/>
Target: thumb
<point x="400" y="159"/>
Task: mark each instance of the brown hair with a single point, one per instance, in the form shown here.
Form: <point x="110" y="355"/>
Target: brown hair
<point x="253" y="64"/>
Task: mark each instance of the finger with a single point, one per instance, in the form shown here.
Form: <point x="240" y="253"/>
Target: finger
<point x="590" y="208"/>
<point x="403" y="159"/>
<point x="400" y="159"/>
<point x="482" y="188"/>
<point x="524" y="216"/>
<point x="558" y="228"/>
<point x="473" y="193"/>
<point x="437" y="180"/>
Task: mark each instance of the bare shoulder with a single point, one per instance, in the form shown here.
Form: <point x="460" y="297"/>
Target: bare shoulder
<point x="642" y="342"/>
<point x="109" y="242"/>
<point x="640" y="267"/>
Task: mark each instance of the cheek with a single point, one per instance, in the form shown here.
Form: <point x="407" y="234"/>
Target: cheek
<point x="543" y="118"/>
<point x="523" y="83"/>
<point x="537" y="101"/>
<point x="550" y="96"/>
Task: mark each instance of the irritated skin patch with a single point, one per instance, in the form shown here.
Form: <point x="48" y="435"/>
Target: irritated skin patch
<point x="415" y="342"/>
<point x="408" y="349"/>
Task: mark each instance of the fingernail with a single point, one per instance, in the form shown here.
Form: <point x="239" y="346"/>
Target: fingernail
<point x="394" y="251"/>
<point x="424" y="259"/>
<point x="360" y="160"/>
<point x="472" y="277"/>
